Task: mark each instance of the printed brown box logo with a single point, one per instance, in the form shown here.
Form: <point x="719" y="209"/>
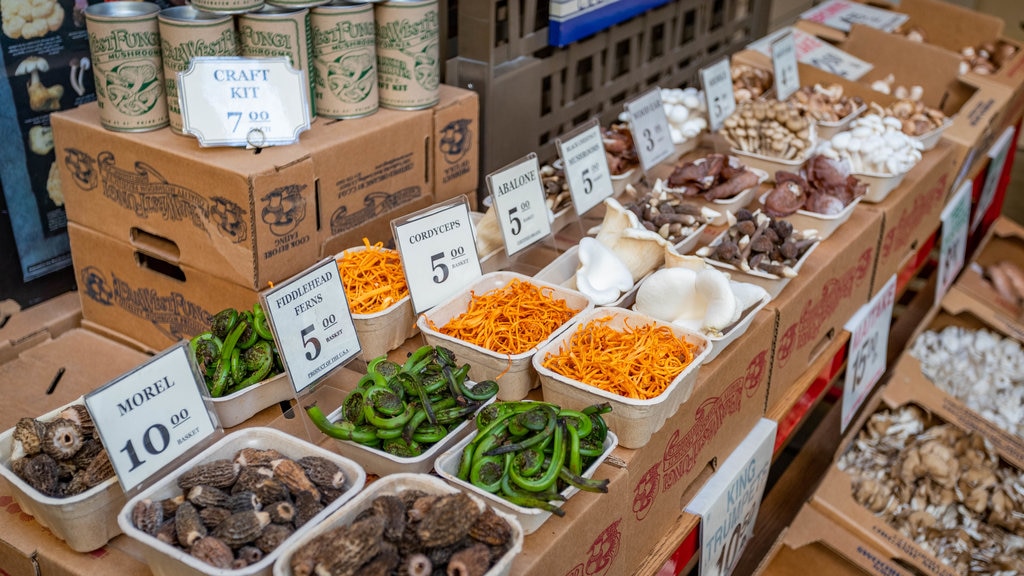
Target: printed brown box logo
<point x="374" y="204"/>
<point x="908" y="220"/>
<point x="455" y="142"/>
<point x="602" y="552"/>
<point x="683" y="449"/>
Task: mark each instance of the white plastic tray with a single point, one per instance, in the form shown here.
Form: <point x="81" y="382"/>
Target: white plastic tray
<point x="167" y="560"/>
<point x="562" y="271"/>
<point x="517" y="375"/>
<point x="381" y="463"/>
<point x="770" y="164"/>
<point x="879" y="185"/>
<point x="84" y="521"/>
<point x="238" y="407"/>
<point x="928" y="140"/>
<point x="395" y="484"/>
<point x="826" y="130"/>
<point x="770" y="282"/>
<point x="530" y="519"/>
<point x="634" y="421"/>
<point x="719" y="343"/>
<point x="825" y="224"/>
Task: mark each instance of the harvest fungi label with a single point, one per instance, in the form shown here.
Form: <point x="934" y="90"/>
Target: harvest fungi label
<point x="728" y="503"/>
<point x="955" y="224"/>
<point x="586" y="166"/>
<point x="843" y="14"/>
<point x="236" y="101"/>
<point x="869" y="342"/>
<point x="649" y="125"/>
<point x="312" y="324"/>
<point x="518" y="197"/>
<point x="438" y="252"/>
<point x="787" y="75"/>
<point x="151" y="416"/>
<point x="717" y="82"/>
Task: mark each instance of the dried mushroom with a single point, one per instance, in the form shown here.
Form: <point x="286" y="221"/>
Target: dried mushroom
<point x="234" y="511"/>
<point x="758" y="242"/>
<point x="435" y="535"/>
<point x="824" y="186"/>
<point x="769" y="128"/>
<point x="943" y="488"/>
<point x="62" y="457"/>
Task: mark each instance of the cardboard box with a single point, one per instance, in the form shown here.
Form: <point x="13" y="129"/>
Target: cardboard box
<point x="977" y="109"/>
<point x="132" y="292"/>
<point x="37" y="324"/>
<point x="834" y="496"/>
<point x="833" y="19"/>
<point x="911" y="212"/>
<point x="246" y="216"/>
<point x="456" y="157"/>
<point x="815" y="544"/>
<point x="727" y="401"/>
<point x="831" y="286"/>
<point x="1004" y="241"/>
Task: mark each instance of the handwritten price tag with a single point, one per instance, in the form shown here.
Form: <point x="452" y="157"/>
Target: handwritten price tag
<point x="312" y="323"/>
<point x="787" y="75"/>
<point x="729" y="502"/>
<point x="717" y="82"/>
<point x="651" y="134"/>
<point x="518" y="196"/>
<point x="234" y="101"/>
<point x="151" y="416"/>
<point x="438" y="252"/>
<point x="955" y="224"/>
<point x="869" y="342"/>
<point x="586" y="166"/>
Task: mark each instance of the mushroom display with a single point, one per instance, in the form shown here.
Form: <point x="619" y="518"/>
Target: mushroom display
<point x="713" y="177"/>
<point x="556" y="187"/>
<point x="769" y="128"/>
<point x="756" y="242"/>
<point x="26" y="19"/>
<point x="874" y="145"/>
<point x="686" y="112"/>
<point x="669" y="214"/>
<point x="1007" y="279"/>
<point x="749" y="83"/>
<point x="619" y="149"/>
<point x="888" y="85"/>
<point x="40" y="98"/>
<point x="824" y="186"/>
<point x="825" y="103"/>
<point x="986" y="58"/>
<point x="918" y="119"/>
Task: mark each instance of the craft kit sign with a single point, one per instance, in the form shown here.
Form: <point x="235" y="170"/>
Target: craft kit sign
<point x="869" y="342"/>
<point x="153" y="415"/>
<point x="728" y="503"/>
<point x="438" y="251"/>
<point x="518" y="196"/>
<point x="649" y="125"/>
<point x="955" y="224"/>
<point x="236" y="101"/>
<point x="586" y="166"/>
<point x="312" y="324"/>
<point x="721" y="101"/>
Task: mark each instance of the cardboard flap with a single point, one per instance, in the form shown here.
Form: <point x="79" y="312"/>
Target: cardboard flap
<point x="27" y="328"/>
<point x="950" y="26"/>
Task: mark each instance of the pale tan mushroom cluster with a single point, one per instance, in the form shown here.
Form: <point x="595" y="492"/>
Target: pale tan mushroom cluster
<point x="556" y="187"/>
<point x="769" y="128"/>
<point x="825" y="103"/>
<point x="888" y="85"/>
<point x="917" y="118"/>
<point x="942" y="487"/>
<point x="749" y="83"/>
<point x="986" y="58"/>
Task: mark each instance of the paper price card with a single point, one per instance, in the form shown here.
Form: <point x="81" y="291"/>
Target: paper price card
<point x="717" y="82"/>
<point x="651" y="134"/>
<point x="438" y="251"/>
<point x="787" y="76"/>
<point x="955" y="224"/>
<point x="234" y="101"/>
<point x="312" y="324"/>
<point x="869" y="341"/>
<point x="997" y="159"/>
<point x="153" y="415"/>
<point x="843" y="14"/>
<point x="518" y="196"/>
<point x="586" y="166"/>
<point x="728" y="503"/>
<point x="815" y="52"/>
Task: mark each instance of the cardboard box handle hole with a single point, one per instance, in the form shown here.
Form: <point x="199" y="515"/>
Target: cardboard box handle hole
<point x="154" y="244"/>
<point x="159" y="266"/>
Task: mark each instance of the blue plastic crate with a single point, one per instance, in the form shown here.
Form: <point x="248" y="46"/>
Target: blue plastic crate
<point x="572" y="20"/>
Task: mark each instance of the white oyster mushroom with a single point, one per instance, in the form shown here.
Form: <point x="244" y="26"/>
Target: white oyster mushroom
<point x="670" y="295"/>
<point x="639" y="248"/>
<point x="602" y="276"/>
<point x="722" y="306"/>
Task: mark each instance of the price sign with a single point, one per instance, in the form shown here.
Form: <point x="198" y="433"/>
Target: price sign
<point x="312" y="323"/>
<point x="787" y="75"/>
<point x="814" y="52"/>
<point x="235" y="101"/>
<point x="955" y="223"/>
<point x="997" y="159"/>
<point x="651" y="134"/>
<point x="729" y="502"/>
<point x="586" y="166"/>
<point x="869" y="342"/>
<point x="717" y="82"/>
<point x="438" y="252"/>
<point x="843" y="14"/>
<point x="153" y="415"/>
<point x="518" y="196"/>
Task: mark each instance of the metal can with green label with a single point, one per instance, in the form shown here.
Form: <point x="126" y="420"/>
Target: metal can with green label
<point x="408" y="54"/>
<point x="124" y="40"/>
<point x="227" y="6"/>
<point x="184" y="34"/>
<point x="276" y="31"/>
<point x="344" y="60"/>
